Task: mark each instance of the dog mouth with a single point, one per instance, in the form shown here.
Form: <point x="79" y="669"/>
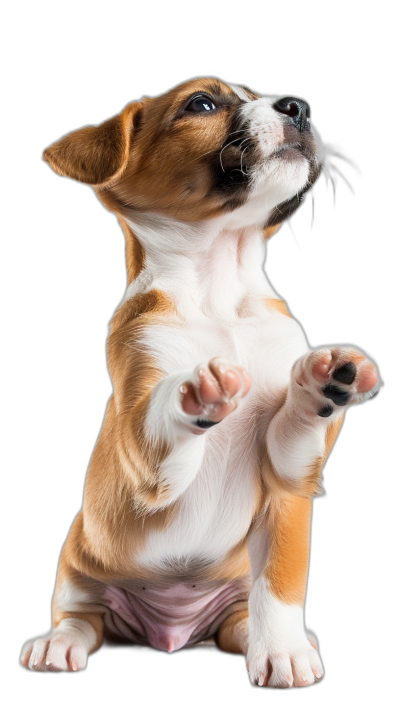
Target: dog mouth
<point x="288" y="151"/>
<point x="296" y="145"/>
<point x="243" y="164"/>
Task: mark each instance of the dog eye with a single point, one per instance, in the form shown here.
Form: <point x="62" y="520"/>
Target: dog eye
<point x="199" y="104"/>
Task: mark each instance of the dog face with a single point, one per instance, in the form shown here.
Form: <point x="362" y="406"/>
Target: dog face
<point x="203" y="149"/>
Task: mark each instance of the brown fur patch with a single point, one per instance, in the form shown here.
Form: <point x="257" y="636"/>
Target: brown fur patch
<point x="332" y="432"/>
<point x="232" y="634"/>
<point x="134" y="252"/>
<point x="154" y="156"/>
<point x="277" y="304"/>
<point x="169" y="169"/>
<point x="123" y="483"/>
<point x="289" y="521"/>
<point x="95" y="154"/>
<point x="268" y="232"/>
<point x="134" y="376"/>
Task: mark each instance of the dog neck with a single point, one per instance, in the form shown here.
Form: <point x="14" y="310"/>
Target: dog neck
<point x="211" y="266"/>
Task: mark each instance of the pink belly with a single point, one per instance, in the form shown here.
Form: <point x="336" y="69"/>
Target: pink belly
<point x="170" y="618"/>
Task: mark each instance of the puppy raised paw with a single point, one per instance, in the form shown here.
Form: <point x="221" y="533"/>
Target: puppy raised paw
<point x="214" y="391"/>
<point x="335" y="377"/>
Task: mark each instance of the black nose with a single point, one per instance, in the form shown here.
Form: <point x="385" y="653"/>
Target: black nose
<point x="297" y="110"/>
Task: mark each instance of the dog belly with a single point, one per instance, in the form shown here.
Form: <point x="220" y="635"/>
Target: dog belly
<point x="170" y="618"/>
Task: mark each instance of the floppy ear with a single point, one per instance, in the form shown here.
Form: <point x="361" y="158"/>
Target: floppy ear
<point x="96" y="154"/>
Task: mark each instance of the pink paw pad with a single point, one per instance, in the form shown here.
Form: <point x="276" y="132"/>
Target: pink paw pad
<point x="342" y="376"/>
<point x="214" y="392"/>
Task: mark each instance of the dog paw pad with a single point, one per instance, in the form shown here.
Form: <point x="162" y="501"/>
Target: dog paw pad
<point x="341" y="375"/>
<point x="214" y="391"/>
<point x="339" y="396"/>
<point x="346" y="373"/>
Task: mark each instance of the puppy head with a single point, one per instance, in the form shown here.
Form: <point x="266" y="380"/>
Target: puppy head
<point x="204" y="149"/>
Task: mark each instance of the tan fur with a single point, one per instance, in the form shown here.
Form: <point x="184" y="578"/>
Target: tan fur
<point x="152" y="173"/>
<point x="95" y="155"/>
<point x="289" y="534"/>
<point x="268" y="232"/>
<point x="331" y="435"/>
<point x="134" y="252"/>
<point x="276" y="304"/>
<point x="289" y="521"/>
<point x="135" y="163"/>
<point x="232" y="634"/>
<point x="123" y="446"/>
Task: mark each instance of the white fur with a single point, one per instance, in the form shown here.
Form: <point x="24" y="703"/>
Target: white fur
<point x="293" y="444"/>
<point x="215" y="511"/>
<point x="277" y="636"/>
<point x="211" y="265"/>
<point x="167" y="421"/>
<point x="70" y="598"/>
<point x="209" y="269"/>
<point x="66" y="647"/>
<point x="240" y="92"/>
<point x="285" y="178"/>
<point x="217" y="491"/>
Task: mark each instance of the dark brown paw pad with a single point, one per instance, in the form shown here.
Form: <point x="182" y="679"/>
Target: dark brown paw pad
<point x="326" y="411"/>
<point x="346" y="373"/>
<point x="339" y="396"/>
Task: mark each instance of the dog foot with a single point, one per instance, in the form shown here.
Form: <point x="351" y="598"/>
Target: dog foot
<point x="334" y="378"/>
<point x="65" y="649"/>
<point x="294" y="667"/>
<point x="214" y="391"/>
<point x="55" y="653"/>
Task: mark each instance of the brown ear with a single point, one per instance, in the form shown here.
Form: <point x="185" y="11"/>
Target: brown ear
<point x="95" y="154"/>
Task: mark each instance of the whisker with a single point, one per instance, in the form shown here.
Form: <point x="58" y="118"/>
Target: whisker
<point x="199" y="157"/>
<point x="247" y="138"/>
<point x="330" y="181"/>
<point x="210" y="152"/>
<point x="225" y="147"/>
<point x="332" y="171"/>
<point x="332" y="151"/>
<point x="238" y="131"/>
<point x="241" y="162"/>
<point x="312" y="210"/>
<point x="293" y="233"/>
<point x="343" y="177"/>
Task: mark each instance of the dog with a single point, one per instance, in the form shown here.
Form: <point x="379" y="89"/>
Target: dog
<point x="196" y="514"/>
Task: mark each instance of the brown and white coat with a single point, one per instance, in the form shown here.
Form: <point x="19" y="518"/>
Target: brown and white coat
<point x="197" y="506"/>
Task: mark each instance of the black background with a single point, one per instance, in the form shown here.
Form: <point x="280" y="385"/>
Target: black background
<point x="70" y="269"/>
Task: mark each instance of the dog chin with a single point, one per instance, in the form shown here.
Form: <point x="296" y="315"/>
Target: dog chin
<point x="282" y="179"/>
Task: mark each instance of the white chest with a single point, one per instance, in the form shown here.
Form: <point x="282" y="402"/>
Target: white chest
<point x="215" y="512"/>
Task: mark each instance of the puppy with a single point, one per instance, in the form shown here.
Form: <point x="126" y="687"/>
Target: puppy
<point x="196" y="514"/>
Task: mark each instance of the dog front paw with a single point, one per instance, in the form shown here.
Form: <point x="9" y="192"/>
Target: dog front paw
<point x="57" y="652"/>
<point x="334" y="377"/>
<point x="283" y="666"/>
<point x="214" y="391"/>
<point x="64" y="649"/>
